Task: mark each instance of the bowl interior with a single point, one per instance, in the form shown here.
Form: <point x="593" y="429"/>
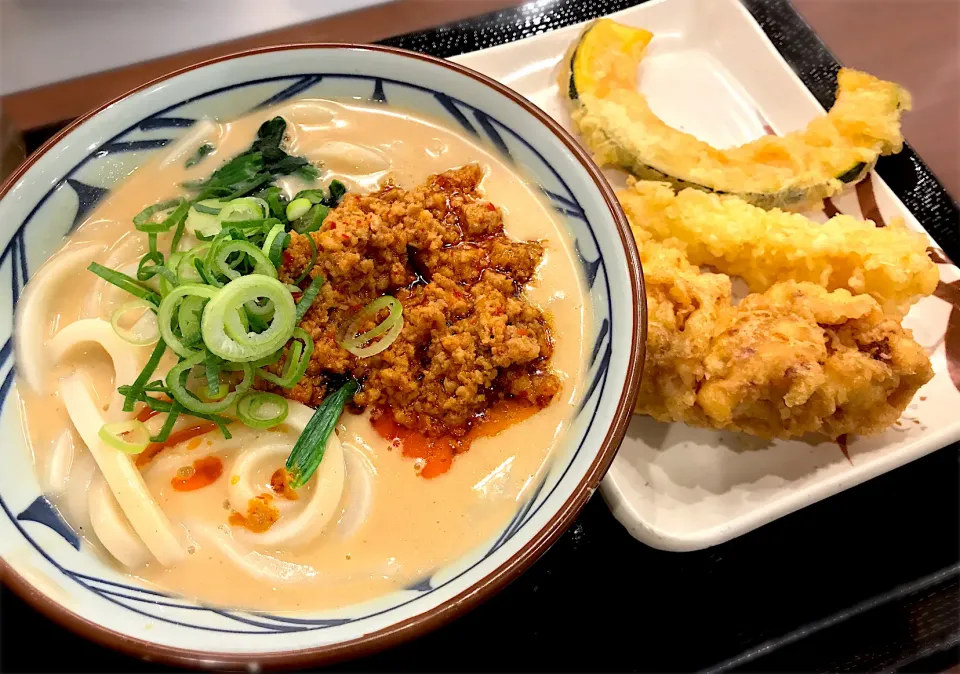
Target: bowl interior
<point x="61" y="186"/>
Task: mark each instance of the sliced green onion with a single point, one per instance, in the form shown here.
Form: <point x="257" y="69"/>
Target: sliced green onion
<point x="313" y="260"/>
<point x="149" y="263"/>
<point x="186" y="270"/>
<point x="169" y="281"/>
<point x="204" y="275"/>
<point x="297" y="208"/>
<point x="221" y="325"/>
<point x="262" y="410"/>
<point x="245" y="208"/>
<point x="188" y="319"/>
<point x="145" y="222"/>
<point x="212" y="366"/>
<point x="159" y="405"/>
<point x="204" y="208"/>
<point x="177" y="236"/>
<point x="204" y="221"/>
<point x="177" y="378"/>
<point x="298" y="359"/>
<point x="218" y="254"/>
<point x="308" y="451"/>
<point x="167" y="428"/>
<point x="312" y="221"/>
<point x="142" y="332"/>
<point x="204" y="393"/>
<point x="130" y="437"/>
<point x="309" y="295"/>
<point x="275" y="231"/>
<point x="257" y="223"/>
<point x="173" y="261"/>
<point x="124" y="282"/>
<point x="131" y="397"/>
<point x="253" y="322"/>
<point x="277" y="246"/>
<point x="389" y="329"/>
<point x="169" y="305"/>
<point x="275" y="199"/>
<point x="273" y="357"/>
<point x="264" y="311"/>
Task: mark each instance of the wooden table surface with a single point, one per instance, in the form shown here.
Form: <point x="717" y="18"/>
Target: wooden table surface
<point x="914" y="42"/>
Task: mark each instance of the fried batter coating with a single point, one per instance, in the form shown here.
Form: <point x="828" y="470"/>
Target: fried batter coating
<point x="799" y="359"/>
<point x="793" y="360"/>
<point x="765" y="247"/>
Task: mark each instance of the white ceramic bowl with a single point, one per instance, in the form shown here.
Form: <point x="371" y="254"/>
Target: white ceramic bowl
<point x="47" y="563"/>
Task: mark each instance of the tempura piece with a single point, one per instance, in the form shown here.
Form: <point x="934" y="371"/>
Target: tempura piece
<point x="683" y="308"/>
<point x="764" y="247"/>
<point x="799" y="359"/>
<point x="796" y="359"/>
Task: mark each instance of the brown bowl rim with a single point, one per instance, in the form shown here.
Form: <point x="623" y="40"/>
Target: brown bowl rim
<point x="484" y="588"/>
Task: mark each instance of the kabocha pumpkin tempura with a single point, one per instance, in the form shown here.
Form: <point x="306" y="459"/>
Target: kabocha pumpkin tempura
<point x="797" y="169"/>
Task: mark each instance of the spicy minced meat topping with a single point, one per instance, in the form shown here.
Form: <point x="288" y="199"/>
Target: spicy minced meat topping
<point x="469" y="339"/>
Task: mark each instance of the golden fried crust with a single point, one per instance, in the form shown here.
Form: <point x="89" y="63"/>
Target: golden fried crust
<point x="765" y="247"/>
<point x="799" y="359"/>
<point x="793" y="360"/>
<point x="683" y="309"/>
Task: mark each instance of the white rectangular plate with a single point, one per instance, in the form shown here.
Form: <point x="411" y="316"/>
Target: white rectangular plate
<point x="711" y="71"/>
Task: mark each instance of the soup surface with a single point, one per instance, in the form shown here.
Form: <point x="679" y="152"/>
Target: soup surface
<point x="391" y="527"/>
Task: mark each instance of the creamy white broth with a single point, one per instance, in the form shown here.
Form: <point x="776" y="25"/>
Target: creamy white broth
<point x="391" y="527"/>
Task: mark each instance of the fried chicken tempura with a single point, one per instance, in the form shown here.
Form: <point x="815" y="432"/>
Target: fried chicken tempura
<point x="793" y="360"/>
<point x="765" y="247"/>
<point x="799" y="359"/>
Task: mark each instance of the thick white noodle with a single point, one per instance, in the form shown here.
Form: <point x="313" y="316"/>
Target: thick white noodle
<point x="304" y="519"/>
<point x="204" y="131"/>
<point x="73" y="502"/>
<point x="261" y="566"/>
<point x="360" y="474"/>
<point x="126" y="357"/>
<point x="113" y="528"/>
<point x="33" y="310"/>
<point x="59" y="462"/>
<point x="125" y="481"/>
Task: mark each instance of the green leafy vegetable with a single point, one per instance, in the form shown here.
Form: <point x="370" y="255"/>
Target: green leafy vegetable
<point x="124" y="282"/>
<point x="275" y="198"/>
<point x="308" y="452"/>
<point x="134" y="391"/>
<point x="264" y="161"/>
<point x="174" y="412"/>
<point x="199" y="155"/>
<point x="309" y="295"/>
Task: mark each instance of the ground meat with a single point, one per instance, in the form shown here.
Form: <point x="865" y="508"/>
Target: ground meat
<point x="469" y="338"/>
